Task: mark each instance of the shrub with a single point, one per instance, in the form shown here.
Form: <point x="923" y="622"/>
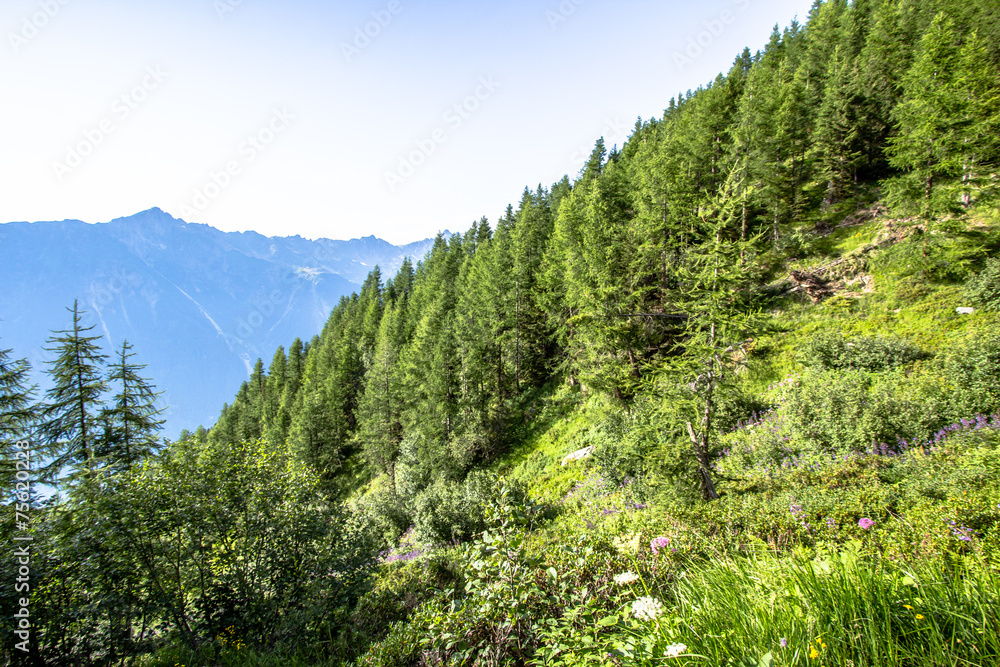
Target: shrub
<point x="974" y="368"/>
<point x="840" y="412"/>
<point x="983" y="288"/>
<point x="449" y="511"/>
<point x="387" y="511"/>
<point x="832" y="351"/>
<point x="620" y="448"/>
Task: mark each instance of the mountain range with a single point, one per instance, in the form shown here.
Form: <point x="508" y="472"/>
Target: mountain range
<point x="199" y="305"/>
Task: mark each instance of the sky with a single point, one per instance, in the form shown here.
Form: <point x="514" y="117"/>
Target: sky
<point x="393" y="118"/>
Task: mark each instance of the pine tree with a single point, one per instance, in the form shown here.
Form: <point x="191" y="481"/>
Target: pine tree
<point x="131" y="419"/>
<point x="70" y="430"/>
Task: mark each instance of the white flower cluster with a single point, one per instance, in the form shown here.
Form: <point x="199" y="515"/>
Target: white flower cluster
<point x="626" y="578"/>
<point x="674" y="650"/>
<point x="627" y="543"/>
<point x="647" y="608"/>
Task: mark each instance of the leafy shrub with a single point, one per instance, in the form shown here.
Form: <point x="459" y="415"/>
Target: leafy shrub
<point x="387" y="511"/>
<point x="983" y="288"/>
<point x="841" y="412"/>
<point x="448" y="511"/>
<point x="620" y="448"/>
<point x="832" y="351"/>
<point x="974" y="368"/>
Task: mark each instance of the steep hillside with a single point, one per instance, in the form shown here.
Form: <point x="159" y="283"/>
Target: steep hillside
<point x="730" y="397"/>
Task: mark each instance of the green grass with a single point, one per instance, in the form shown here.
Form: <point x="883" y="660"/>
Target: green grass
<point x="839" y="606"/>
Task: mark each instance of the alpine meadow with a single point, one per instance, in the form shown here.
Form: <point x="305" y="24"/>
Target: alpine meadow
<point x="730" y="396"/>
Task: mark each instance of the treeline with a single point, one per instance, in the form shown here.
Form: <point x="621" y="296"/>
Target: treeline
<point x="434" y="371"/>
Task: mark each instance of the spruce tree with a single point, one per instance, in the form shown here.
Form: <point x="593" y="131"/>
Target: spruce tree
<point x="276" y="421"/>
<point x="70" y="430"/>
<point x="928" y="146"/>
<point x="836" y="144"/>
<point x="978" y="117"/>
<point x="132" y="417"/>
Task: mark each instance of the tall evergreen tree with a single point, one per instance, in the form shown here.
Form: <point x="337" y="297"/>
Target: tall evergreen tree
<point x="948" y="116"/>
<point x="275" y="420"/>
<point x="15" y="411"/>
<point x="70" y="428"/>
<point x="714" y="299"/>
<point x="978" y="117"/>
<point x="132" y="416"/>
<point x="836" y="144"/>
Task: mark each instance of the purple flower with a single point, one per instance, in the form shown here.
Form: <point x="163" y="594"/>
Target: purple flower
<point x="784" y="643"/>
<point x="658" y="543"/>
<point x="866" y="523"/>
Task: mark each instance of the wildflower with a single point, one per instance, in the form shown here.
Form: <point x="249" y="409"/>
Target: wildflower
<point x="647" y="608"/>
<point x="906" y="606"/>
<point x="628" y="543"/>
<point x="783" y="642"/>
<point x="626" y="578"/>
<point x="813" y="653"/>
<point x="866" y="523"/>
<point x="674" y="650"/>
<point x="919" y="617"/>
<point x="658" y="543"/>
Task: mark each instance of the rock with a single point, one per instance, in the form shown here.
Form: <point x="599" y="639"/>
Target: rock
<point x="965" y="311"/>
<point x="578" y="454"/>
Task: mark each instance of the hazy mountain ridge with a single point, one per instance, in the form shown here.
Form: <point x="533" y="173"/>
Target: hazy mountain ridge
<point x="200" y="305"/>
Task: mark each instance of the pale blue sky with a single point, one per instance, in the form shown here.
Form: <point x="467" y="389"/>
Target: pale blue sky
<point x="252" y="114"/>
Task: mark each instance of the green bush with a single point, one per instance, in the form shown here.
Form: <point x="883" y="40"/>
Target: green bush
<point x="983" y="288"/>
<point x="387" y="511"/>
<point x="833" y="351"/>
<point x="448" y="511"/>
<point x="974" y="368"/>
<point x="620" y="448"/>
<point x="845" y="411"/>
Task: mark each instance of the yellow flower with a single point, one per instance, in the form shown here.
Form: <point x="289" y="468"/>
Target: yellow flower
<point x="920" y="617"/>
<point x="813" y="653"/>
<point x="906" y="606"/>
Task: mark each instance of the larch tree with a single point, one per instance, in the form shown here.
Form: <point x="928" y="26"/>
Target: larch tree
<point x="713" y="297"/>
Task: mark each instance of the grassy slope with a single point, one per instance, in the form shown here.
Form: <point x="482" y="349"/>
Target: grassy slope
<point x="811" y="584"/>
